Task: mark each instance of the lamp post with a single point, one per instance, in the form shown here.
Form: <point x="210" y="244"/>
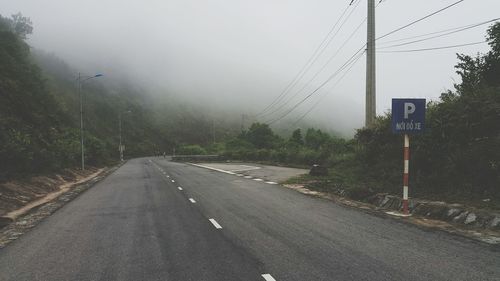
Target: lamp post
<point x="121" y="148"/>
<point x="82" y="80"/>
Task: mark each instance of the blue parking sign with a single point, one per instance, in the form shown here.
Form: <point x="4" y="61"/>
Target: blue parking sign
<point x="408" y="116"/>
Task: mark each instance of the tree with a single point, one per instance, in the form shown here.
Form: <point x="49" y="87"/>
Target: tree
<point x="17" y="24"/>
<point x="261" y="136"/>
<point x="297" y="138"/>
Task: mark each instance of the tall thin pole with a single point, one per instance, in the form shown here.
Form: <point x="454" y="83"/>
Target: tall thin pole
<point x="81" y="119"/>
<point x="370" y="110"/>
<point x="120" y="148"/>
<point x="213" y="131"/>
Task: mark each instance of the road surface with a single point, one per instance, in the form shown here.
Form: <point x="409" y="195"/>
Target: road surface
<point x="158" y="220"/>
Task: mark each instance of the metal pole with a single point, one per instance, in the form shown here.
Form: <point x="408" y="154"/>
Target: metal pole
<point x="81" y="120"/>
<point x="406" y="159"/>
<point x="120" y="133"/>
<point x="370" y="110"/>
<point x="213" y="130"/>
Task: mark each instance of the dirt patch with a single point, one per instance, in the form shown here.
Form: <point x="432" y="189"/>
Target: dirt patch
<point x="19" y="196"/>
<point x="11" y="230"/>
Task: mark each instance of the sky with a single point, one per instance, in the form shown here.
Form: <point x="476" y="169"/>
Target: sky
<point x="240" y="55"/>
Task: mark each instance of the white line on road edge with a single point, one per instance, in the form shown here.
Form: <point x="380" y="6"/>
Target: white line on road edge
<point x="268" y="277"/>
<point x="271" y="182"/>
<point x="192" y="200"/>
<point x="180" y="188"/>
<point x="258" y="179"/>
<point x="210" y="168"/>
<point x="215" y="223"/>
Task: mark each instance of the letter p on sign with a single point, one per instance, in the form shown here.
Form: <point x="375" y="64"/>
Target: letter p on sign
<point x="409" y="109"/>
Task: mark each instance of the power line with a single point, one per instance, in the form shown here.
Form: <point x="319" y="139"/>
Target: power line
<point x="420" y="19"/>
<point x="334" y="85"/>
<point x="435" y="48"/>
<point x="318" y="88"/>
<point x="297" y="76"/>
<point x="441" y="35"/>
<point x="350" y="59"/>
<point x="423" y="35"/>
<point x="323" y="67"/>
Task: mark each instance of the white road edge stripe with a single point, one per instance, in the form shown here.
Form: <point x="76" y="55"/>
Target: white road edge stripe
<point x="215" y="223"/>
<point x="192" y="200"/>
<point x="271" y="182"/>
<point x="180" y="188"/>
<point x="268" y="277"/>
<point x="215" y="169"/>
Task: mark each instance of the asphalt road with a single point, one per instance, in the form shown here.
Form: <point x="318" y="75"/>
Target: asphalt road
<point x="137" y="224"/>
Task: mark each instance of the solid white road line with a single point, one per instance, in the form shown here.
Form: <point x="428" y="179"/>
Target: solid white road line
<point x="210" y="168"/>
<point x="215" y="223"/>
<point x="271" y="182"/>
<point x="258" y="179"/>
<point x="268" y="277"/>
<point x="180" y="188"/>
<point x="192" y="200"/>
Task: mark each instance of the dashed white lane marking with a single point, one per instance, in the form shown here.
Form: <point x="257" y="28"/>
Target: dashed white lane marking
<point x="168" y="176"/>
<point x="271" y="182"/>
<point x="192" y="200"/>
<point x="215" y="223"/>
<point x="247" y="177"/>
<point x="258" y="179"/>
<point x="173" y="181"/>
<point x="239" y="175"/>
<point x="180" y="188"/>
<point x="268" y="277"/>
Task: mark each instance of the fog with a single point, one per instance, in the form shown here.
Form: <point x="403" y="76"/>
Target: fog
<point x="237" y="56"/>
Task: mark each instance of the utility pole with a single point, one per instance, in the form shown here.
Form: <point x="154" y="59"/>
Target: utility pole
<point x="242" y="122"/>
<point x="120" y="148"/>
<point x="213" y="130"/>
<point x="370" y="110"/>
<point x="81" y="119"/>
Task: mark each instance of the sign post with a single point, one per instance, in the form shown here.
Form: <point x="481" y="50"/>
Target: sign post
<point x="408" y="117"/>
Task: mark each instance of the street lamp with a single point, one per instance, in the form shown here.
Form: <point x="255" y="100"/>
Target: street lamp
<point x="121" y="148"/>
<point x="82" y="80"/>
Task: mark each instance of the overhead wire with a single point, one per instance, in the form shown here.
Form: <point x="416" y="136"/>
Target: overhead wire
<point x="441" y="35"/>
<point x="420" y="19"/>
<point x="351" y="58"/>
<point x="318" y="88"/>
<point x="278" y="108"/>
<point x="308" y="64"/>
<point x="434" y="48"/>
<point x="334" y="85"/>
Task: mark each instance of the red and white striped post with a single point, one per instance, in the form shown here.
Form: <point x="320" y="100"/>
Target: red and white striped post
<point x="406" y="152"/>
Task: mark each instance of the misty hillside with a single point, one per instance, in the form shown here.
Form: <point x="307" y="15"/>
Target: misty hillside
<point x="39" y="114"/>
